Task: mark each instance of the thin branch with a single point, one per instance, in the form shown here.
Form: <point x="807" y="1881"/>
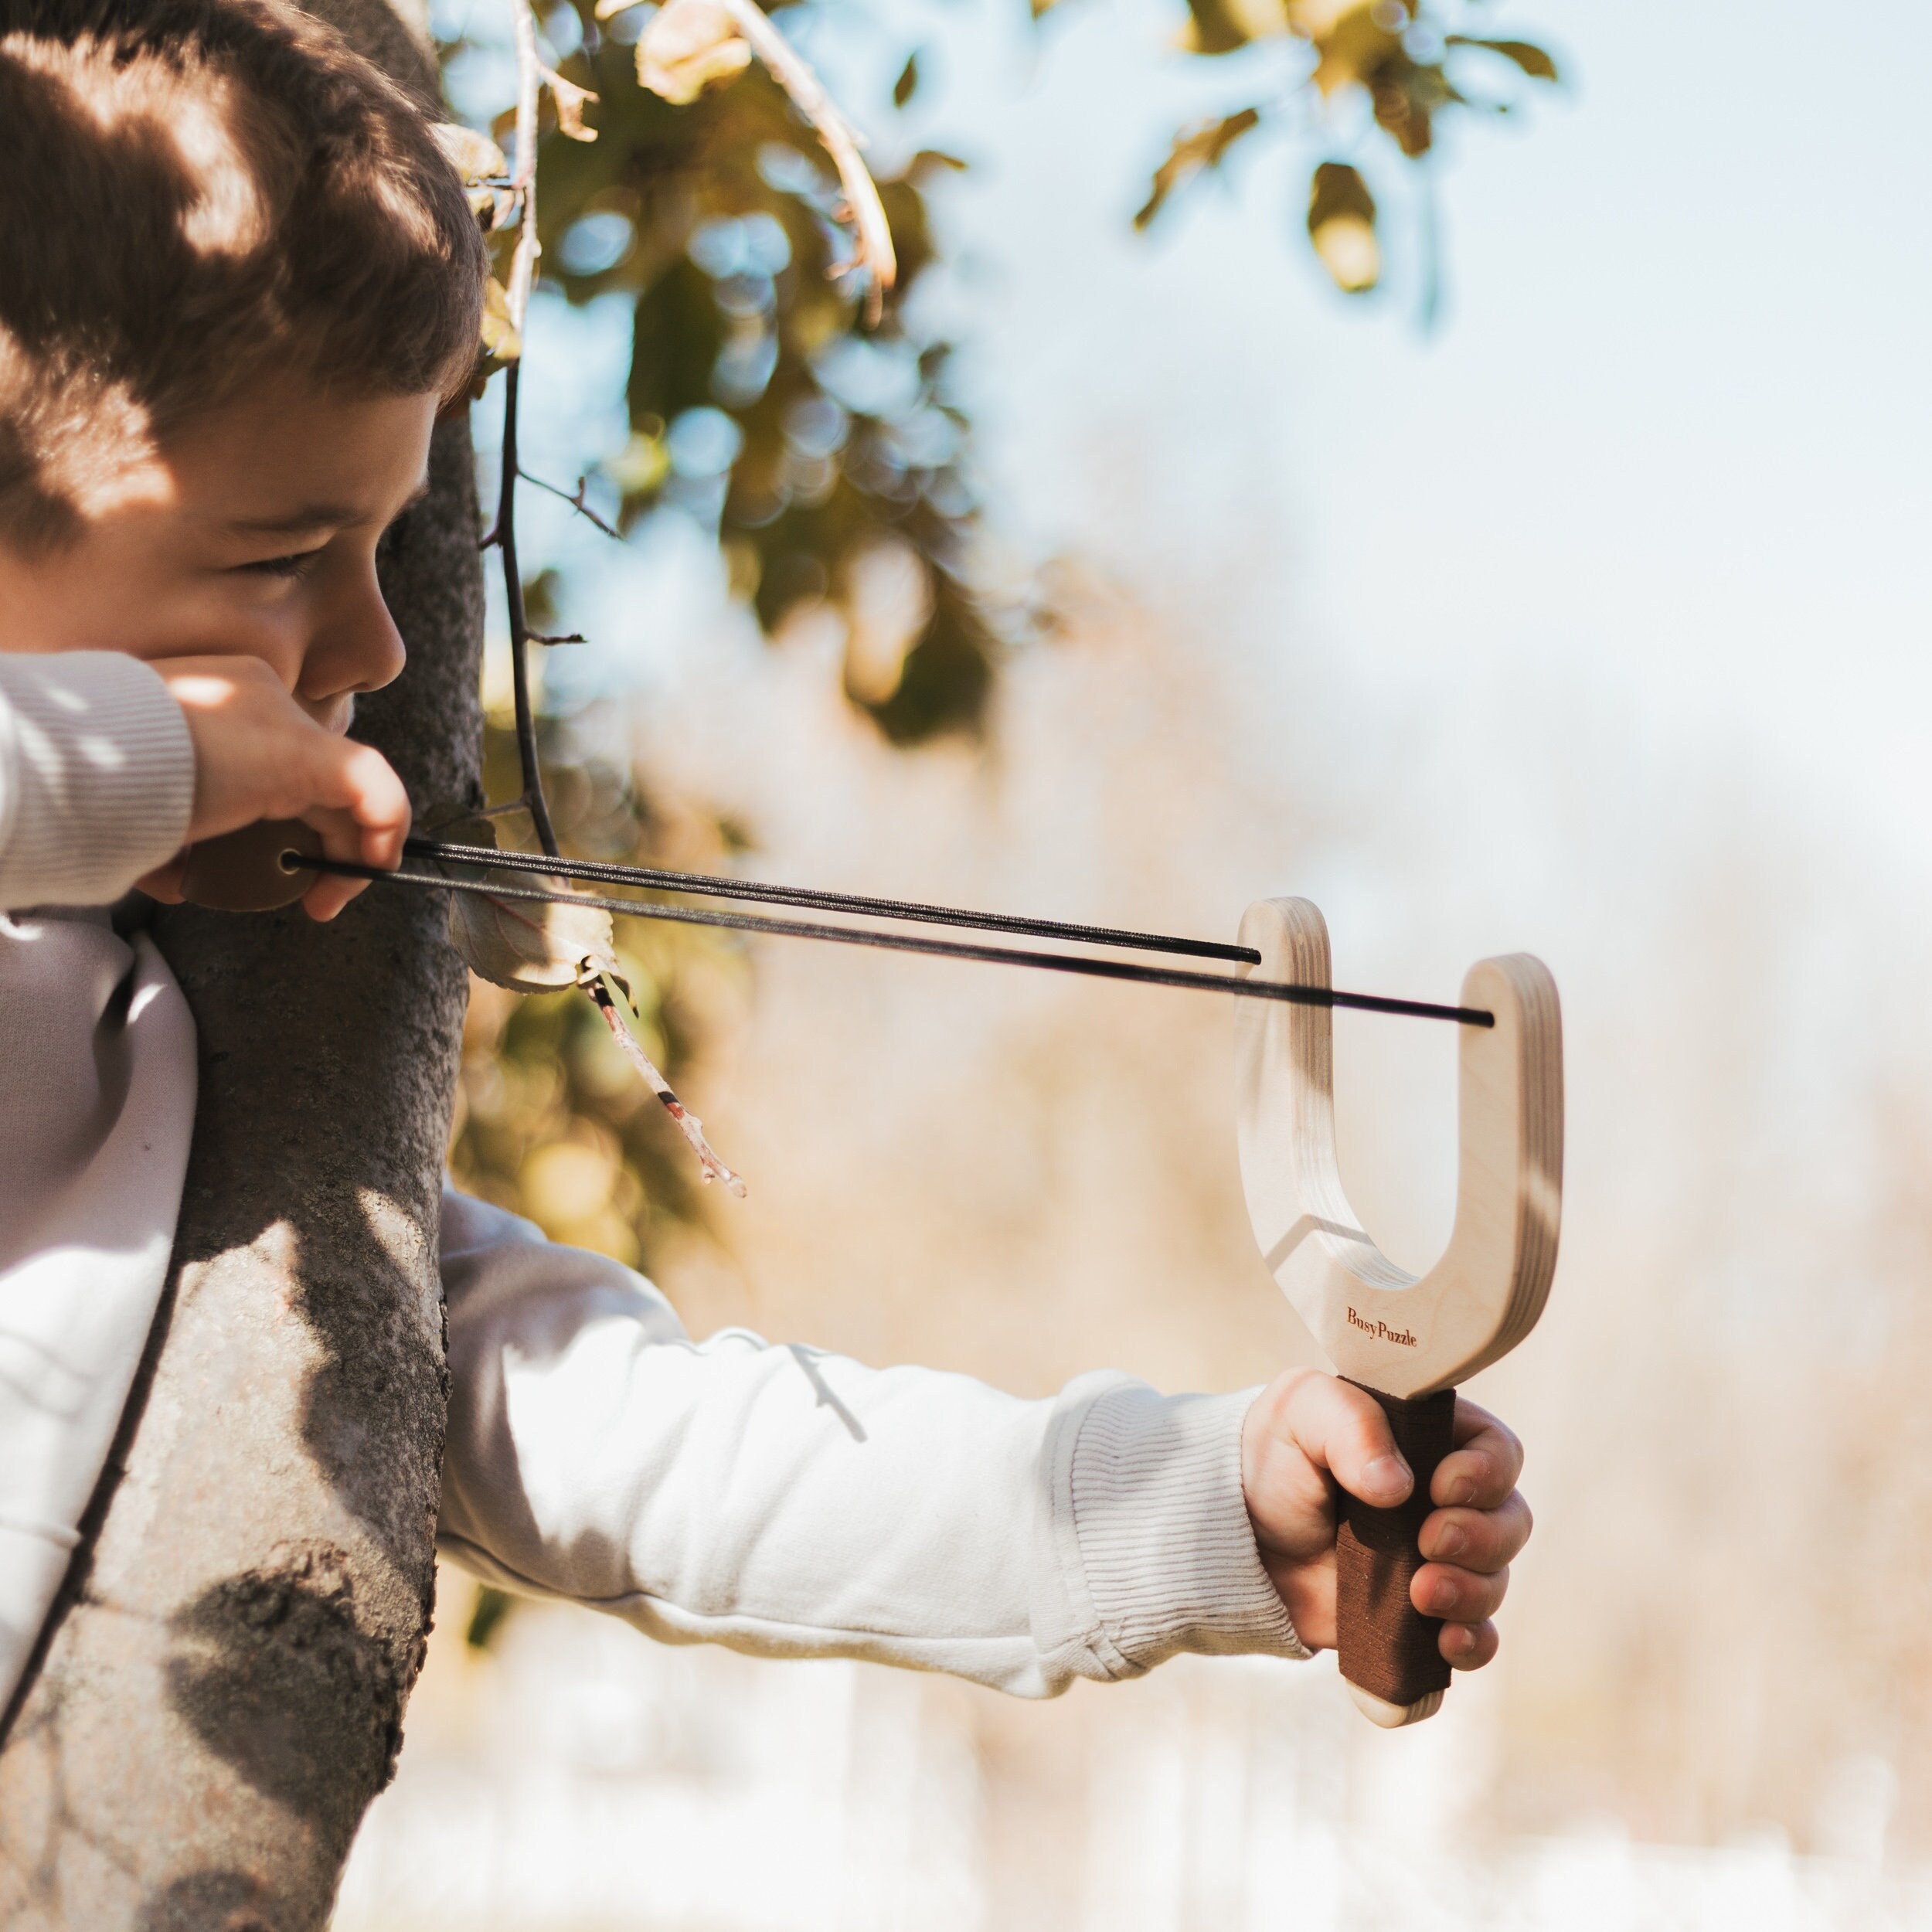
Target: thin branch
<point x="529" y="81"/>
<point x="577" y="502"/>
<point x="874" y="239"/>
<point x="529" y="75"/>
<point x="611" y="1005"/>
<point x="519" y="621"/>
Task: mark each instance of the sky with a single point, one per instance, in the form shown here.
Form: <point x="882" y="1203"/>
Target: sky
<point x="1670" y="432"/>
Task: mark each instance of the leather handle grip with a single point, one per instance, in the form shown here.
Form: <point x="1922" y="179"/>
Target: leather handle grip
<point x="1387" y="1649"/>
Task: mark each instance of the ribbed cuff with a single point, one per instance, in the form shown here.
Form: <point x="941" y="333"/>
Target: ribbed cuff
<point x="97" y="777"/>
<point x="1165" y="1544"/>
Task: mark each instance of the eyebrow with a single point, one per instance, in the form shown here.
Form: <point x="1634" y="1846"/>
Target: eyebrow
<point x="319" y="516"/>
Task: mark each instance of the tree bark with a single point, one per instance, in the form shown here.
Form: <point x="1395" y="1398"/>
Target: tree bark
<point x="220" y="1692"/>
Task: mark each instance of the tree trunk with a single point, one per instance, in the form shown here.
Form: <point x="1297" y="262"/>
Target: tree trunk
<point x="220" y="1693"/>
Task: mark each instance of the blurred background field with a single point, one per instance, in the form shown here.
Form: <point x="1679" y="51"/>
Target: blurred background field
<point x="1591" y="620"/>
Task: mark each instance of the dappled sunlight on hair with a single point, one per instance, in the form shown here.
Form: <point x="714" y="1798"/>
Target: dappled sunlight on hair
<point x="222" y="189"/>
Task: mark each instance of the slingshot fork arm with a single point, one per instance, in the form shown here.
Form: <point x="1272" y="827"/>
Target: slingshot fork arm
<point x="1380" y="1325"/>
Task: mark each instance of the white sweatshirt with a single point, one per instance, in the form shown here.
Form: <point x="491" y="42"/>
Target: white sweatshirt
<point x="773" y="1499"/>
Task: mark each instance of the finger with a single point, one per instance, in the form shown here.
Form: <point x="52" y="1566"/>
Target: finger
<point x="1467" y="1646"/>
<point x="1478" y="1539"/>
<point x="328" y="896"/>
<point x="381" y="806"/>
<point x="1482" y="1468"/>
<point x="1460" y="1595"/>
<point x="341" y="839"/>
<point x="1342" y="1428"/>
<point x="164" y="882"/>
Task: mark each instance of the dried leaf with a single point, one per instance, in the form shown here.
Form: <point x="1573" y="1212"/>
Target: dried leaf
<point x="1533" y="60"/>
<point x="609" y="10"/>
<point x="476" y="157"/>
<point x="530" y="946"/>
<point x="1341" y="225"/>
<point x="907" y="84"/>
<point x="689" y="46"/>
<point x="534" y="948"/>
<point x="501" y="341"/>
<point x="1194" y="149"/>
<point x="571" y="100"/>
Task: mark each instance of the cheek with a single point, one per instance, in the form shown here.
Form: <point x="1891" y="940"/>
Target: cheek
<point x="226" y="617"/>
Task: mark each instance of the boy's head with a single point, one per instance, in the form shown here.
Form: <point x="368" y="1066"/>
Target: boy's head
<point x="204" y="192"/>
<point x="226" y="236"/>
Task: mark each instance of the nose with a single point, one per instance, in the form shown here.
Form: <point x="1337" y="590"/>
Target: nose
<point x="356" y="646"/>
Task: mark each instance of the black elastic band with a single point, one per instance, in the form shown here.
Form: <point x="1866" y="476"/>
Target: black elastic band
<point x="710" y="883"/>
<point x="907" y="942"/>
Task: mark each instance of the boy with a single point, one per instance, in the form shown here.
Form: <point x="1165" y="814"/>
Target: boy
<point x="239" y="286"/>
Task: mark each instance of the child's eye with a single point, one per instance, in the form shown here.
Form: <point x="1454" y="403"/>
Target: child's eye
<point x="297" y="564"/>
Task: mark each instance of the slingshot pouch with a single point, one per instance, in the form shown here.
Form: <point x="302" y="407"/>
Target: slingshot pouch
<point x="1383" y="1643"/>
<point x="253" y="870"/>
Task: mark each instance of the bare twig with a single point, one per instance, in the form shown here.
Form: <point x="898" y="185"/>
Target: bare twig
<point x="529" y="81"/>
<point x="873" y="233"/>
<point x="505" y="534"/>
<point x="529" y="75"/>
<point x="576" y="501"/>
<point x="610" y="1004"/>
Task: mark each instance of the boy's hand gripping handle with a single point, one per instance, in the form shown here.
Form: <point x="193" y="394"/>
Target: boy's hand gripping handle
<point x="1389" y="1652"/>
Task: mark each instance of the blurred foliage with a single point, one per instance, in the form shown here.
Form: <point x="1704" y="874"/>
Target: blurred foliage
<point x="1397" y="70"/>
<point x="758" y="403"/>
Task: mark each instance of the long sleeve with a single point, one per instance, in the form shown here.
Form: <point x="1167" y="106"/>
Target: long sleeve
<point x="97" y="1107"/>
<point x="792" y="1503"/>
<point x="97" y="777"/>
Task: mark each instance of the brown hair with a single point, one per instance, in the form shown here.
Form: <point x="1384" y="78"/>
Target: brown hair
<point x="200" y="192"/>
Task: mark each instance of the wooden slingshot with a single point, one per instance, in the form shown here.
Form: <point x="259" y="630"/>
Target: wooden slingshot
<point x="1408" y="1342"/>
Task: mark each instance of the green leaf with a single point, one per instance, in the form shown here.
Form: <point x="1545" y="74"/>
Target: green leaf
<point x="487" y="1613"/>
<point x="907" y="84"/>
<point x="1533" y="60"/>
<point x="1194" y="149"/>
